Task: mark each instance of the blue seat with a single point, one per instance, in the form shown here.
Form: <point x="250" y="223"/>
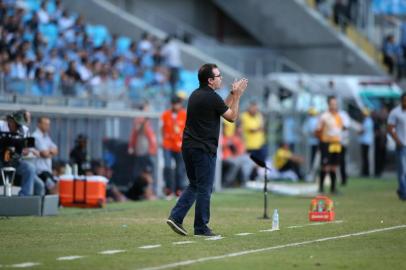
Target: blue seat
<point x="98" y="33"/>
<point x="33" y="4"/>
<point x="122" y="44"/>
<point x="188" y="81"/>
<point x="50" y="32"/>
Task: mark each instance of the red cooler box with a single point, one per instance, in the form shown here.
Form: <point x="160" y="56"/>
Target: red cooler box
<point x="82" y="191"/>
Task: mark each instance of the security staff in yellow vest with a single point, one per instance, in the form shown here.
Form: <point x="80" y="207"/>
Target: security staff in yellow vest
<point x="329" y="131"/>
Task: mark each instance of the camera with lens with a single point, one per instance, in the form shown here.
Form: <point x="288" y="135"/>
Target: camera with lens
<point x="11" y="147"/>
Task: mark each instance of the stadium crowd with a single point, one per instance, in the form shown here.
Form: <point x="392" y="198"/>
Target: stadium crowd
<point x="45" y="50"/>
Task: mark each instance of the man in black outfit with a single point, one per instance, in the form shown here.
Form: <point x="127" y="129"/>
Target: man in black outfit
<point x="199" y="146"/>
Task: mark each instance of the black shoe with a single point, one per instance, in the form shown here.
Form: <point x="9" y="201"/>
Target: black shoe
<point x="176" y="227"/>
<point x="207" y="233"/>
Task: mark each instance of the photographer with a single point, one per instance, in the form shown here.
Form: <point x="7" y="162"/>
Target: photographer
<point x="30" y="183"/>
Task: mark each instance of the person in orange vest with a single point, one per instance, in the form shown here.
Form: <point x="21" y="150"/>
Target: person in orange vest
<point x="173" y="123"/>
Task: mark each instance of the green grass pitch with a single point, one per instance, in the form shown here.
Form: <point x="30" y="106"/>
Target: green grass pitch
<point x="366" y="204"/>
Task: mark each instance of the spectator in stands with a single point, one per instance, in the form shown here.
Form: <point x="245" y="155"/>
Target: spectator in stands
<point x="397" y="129"/>
<point x="309" y="129"/>
<point x="42" y="13"/>
<point x="366" y="139"/>
<point x="284" y="160"/>
<point x="78" y="155"/>
<point x="65" y="21"/>
<point x="340" y="16"/>
<point x="171" y="55"/>
<point x="173" y="123"/>
<point x="142" y="143"/>
<point x="235" y="161"/>
<point x="253" y="130"/>
<point x="47" y="150"/>
<point x="18" y="68"/>
<point x="69" y="80"/>
<point x="392" y="53"/>
<point x="30" y="183"/>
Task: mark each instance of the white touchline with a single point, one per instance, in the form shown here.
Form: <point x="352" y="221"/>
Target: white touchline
<point x="269" y="230"/>
<point x="69" y="258"/>
<point x="214" y="238"/>
<point x="183" y="242"/>
<point x="110" y="252"/>
<point x="244" y="233"/>
<point x="241" y="253"/>
<point x="150" y="246"/>
<point x="315" y="224"/>
<point x="24" y="265"/>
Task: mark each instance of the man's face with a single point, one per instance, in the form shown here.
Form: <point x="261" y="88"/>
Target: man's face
<point x="332" y="105"/>
<point x="253" y="109"/>
<point x="12" y="125"/>
<point x="44" y="125"/>
<point x="177" y="106"/>
<point x="403" y="102"/>
<point x="215" y="82"/>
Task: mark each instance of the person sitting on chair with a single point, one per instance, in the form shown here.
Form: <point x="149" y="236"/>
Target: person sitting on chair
<point x="284" y="160"/>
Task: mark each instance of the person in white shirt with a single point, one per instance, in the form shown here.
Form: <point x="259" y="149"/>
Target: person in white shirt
<point x="47" y="149"/>
<point x="171" y="54"/>
<point x="42" y="13"/>
<point x="397" y="129"/>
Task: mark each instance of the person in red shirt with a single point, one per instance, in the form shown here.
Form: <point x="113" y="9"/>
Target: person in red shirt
<point x="173" y="123"/>
<point x="234" y="157"/>
<point x="142" y="143"/>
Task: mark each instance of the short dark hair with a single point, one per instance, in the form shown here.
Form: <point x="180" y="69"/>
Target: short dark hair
<point x="205" y="73"/>
<point x="329" y="98"/>
<point x="41" y="118"/>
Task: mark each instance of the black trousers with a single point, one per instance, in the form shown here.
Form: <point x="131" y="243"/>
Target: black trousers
<point x="290" y="165"/>
<point x="343" y="166"/>
<point x="364" y="160"/>
<point x="380" y="155"/>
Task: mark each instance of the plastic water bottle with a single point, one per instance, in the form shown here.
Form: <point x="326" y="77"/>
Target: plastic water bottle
<point x="68" y="169"/>
<point x="275" y="220"/>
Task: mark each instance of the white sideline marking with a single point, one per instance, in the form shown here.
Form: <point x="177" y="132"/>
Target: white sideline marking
<point x="183" y="242"/>
<point x="244" y="233"/>
<point x="236" y="254"/>
<point x="24" y="265"/>
<point x="150" y="246"/>
<point x="110" y="252"/>
<point x="214" y="238"/>
<point x="69" y="258"/>
<point x="315" y="224"/>
<point x="269" y="230"/>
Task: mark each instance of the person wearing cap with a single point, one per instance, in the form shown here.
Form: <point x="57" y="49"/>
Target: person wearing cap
<point x="366" y="139"/>
<point x="173" y="123"/>
<point x="309" y="128"/>
<point x="30" y="183"/>
<point x="397" y="129"/>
